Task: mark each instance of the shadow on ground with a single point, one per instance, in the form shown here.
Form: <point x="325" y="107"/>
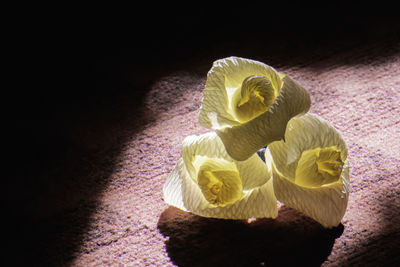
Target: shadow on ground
<point x="289" y="240"/>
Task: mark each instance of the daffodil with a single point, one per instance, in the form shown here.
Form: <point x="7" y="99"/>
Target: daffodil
<point x="208" y="182"/>
<point x="310" y="169"/>
<point x="249" y="103"/>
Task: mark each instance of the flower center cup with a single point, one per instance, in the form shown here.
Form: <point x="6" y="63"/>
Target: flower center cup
<point x="255" y="97"/>
<point x="319" y="166"/>
<point x="219" y="181"/>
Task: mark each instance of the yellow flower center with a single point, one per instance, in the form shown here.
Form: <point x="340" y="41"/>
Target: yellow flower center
<point x="255" y="96"/>
<point x="219" y="181"/>
<point x="319" y="166"/>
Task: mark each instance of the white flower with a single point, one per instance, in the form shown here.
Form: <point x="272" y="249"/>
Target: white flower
<point x="310" y="169"/>
<point x="208" y="182"/>
<point x="249" y="104"/>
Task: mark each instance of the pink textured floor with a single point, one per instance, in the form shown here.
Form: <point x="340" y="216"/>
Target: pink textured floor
<point x="107" y="207"/>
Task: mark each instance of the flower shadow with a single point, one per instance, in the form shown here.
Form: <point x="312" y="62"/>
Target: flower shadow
<point x="290" y="239"/>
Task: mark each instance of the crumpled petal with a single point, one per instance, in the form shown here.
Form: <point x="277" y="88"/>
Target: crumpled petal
<point x="252" y="171"/>
<point x="225" y="76"/>
<point x="304" y="132"/>
<point x="182" y="190"/>
<point x="219" y="181"/>
<point x="327" y="203"/>
<point x="244" y="138"/>
<point x="319" y="166"/>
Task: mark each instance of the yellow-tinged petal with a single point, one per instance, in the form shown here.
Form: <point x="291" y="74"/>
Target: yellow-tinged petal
<point x="310" y="170"/>
<point x="219" y="181"/>
<point x="249" y="104"/>
<point x="304" y="132"/>
<point x="225" y="78"/>
<point x="172" y="189"/>
<point x="220" y="187"/>
<point x="182" y="192"/>
<point x="319" y="166"/>
<point x="253" y="171"/>
<point x="326" y="204"/>
<point x="254" y="98"/>
<point x="259" y="202"/>
<point x="206" y="145"/>
<point x="241" y="141"/>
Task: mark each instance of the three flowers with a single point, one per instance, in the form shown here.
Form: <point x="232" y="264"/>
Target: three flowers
<point x="250" y="106"/>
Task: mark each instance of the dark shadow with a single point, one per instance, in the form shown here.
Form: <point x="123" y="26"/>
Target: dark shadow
<point x="67" y="129"/>
<point x="381" y="246"/>
<point x="289" y="240"/>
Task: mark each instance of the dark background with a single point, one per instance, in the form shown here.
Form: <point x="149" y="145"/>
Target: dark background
<point x="66" y="61"/>
<point x="70" y="68"/>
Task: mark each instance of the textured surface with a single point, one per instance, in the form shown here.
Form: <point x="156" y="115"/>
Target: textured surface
<point x="87" y="173"/>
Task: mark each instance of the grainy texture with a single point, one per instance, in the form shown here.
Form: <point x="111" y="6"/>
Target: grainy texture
<point x="94" y="192"/>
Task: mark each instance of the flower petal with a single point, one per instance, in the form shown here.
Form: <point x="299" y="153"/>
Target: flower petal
<point x="219" y="181"/>
<point x="242" y="141"/>
<point x="327" y="203"/>
<point x="203" y="145"/>
<point x="304" y="132"/>
<point x="172" y="189"/>
<point x="225" y="76"/>
<point x="318" y="167"/>
<point x="253" y="171"/>
<point x="183" y="191"/>
<point x="257" y="203"/>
